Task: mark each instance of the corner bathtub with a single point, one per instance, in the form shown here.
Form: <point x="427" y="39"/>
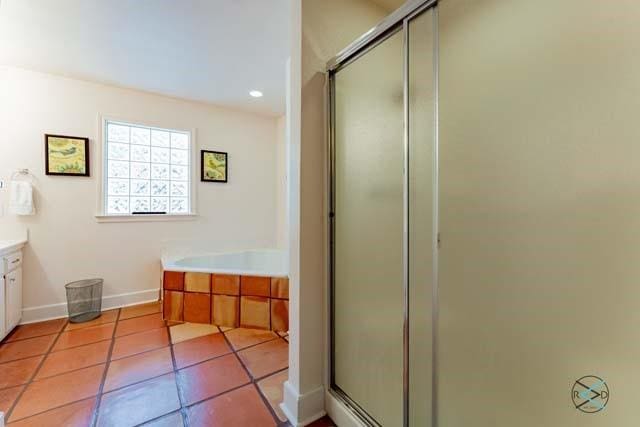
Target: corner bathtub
<point x="240" y="289"/>
<point x="260" y="262"/>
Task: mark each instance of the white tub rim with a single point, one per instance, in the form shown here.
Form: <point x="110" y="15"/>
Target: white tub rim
<point x="169" y="263"/>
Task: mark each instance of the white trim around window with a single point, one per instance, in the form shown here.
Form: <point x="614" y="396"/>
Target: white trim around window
<point x="101" y="158"/>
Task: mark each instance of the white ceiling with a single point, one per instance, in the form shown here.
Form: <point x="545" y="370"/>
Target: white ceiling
<point x="213" y="51"/>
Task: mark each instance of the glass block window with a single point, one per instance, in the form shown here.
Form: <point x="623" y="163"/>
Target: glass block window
<point x="147" y="170"/>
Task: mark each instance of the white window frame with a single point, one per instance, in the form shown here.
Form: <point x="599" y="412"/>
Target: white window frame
<point x="101" y="163"/>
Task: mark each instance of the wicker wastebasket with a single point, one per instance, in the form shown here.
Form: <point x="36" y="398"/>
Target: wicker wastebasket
<point x="84" y="300"/>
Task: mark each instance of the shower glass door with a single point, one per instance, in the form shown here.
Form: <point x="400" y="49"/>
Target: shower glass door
<point x="383" y="239"/>
<point x="368" y="293"/>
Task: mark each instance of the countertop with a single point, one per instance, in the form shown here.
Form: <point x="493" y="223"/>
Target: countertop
<point x="11" y="245"/>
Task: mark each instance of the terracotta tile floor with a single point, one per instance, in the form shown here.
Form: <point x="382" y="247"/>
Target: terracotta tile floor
<point x="130" y="368"/>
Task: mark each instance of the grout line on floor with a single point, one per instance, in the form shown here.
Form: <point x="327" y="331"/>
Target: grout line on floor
<point x="205" y="361"/>
<point x="176" y="379"/>
<point x="175" y="370"/>
<point x="35" y="380"/>
<point x="99" y="394"/>
<point x="214" y="396"/>
<point x="138" y="354"/>
<point x="271" y="374"/>
<point x="267" y="404"/>
<point x="46" y="354"/>
<point x="53" y="409"/>
<point x="264" y="399"/>
<point x="202" y="336"/>
<point x="139" y="332"/>
<point x="183" y="406"/>
<point x="78" y="346"/>
<point x="4" y="342"/>
<point x="253" y="345"/>
<point x="32" y="356"/>
<point x="167" y="415"/>
<point x="155" y="377"/>
<point x="182" y="368"/>
<point x="17" y="360"/>
<point x="142" y="315"/>
<point x="235" y="353"/>
<point x="96" y="409"/>
<point x="84" y="367"/>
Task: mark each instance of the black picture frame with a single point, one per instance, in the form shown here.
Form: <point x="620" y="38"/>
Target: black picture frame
<point x="203" y="177"/>
<point x="85" y="141"/>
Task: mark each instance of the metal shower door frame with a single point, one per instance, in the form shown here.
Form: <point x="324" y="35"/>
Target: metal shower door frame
<point x="397" y="21"/>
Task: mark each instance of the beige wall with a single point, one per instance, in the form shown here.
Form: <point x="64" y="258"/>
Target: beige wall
<point x="539" y="210"/>
<point x="281" y="184"/>
<point x="66" y="242"/>
<point x="328" y="26"/>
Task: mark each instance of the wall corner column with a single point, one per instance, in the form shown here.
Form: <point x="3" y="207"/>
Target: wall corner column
<point x="304" y="391"/>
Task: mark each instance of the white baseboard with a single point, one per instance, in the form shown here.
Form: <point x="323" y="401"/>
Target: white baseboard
<point x="303" y="409"/>
<point x="340" y="413"/>
<point x="56" y="311"/>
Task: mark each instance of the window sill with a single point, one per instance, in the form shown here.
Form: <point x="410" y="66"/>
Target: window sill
<point x="145" y="218"/>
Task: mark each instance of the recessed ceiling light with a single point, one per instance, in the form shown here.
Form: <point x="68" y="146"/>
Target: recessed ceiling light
<point x="256" y="93"/>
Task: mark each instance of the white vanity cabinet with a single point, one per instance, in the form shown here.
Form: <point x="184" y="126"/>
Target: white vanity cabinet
<point x="13" y="296"/>
<point x="3" y="326"/>
<point x="10" y="286"/>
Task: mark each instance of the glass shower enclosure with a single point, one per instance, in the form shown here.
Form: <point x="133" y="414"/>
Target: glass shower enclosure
<point x="383" y="168"/>
<point x="484" y="216"/>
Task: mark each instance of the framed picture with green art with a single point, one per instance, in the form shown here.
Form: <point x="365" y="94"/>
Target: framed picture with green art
<point x="214" y="166"/>
<point x="66" y="155"/>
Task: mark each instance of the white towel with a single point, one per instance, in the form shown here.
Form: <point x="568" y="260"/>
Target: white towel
<point x="21" y="198"/>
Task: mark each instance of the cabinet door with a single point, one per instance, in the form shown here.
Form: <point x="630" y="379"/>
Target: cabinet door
<point x="3" y="329"/>
<point x="14" y="298"/>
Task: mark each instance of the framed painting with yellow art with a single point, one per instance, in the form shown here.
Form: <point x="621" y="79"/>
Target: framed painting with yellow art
<point x="214" y="166"/>
<point x="66" y="155"/>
